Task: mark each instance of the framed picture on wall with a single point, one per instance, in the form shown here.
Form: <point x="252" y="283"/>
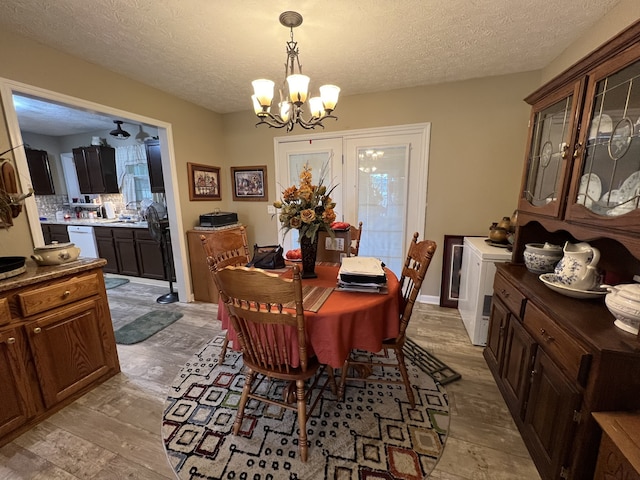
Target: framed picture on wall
<point x="451" y="266"/>
<point x="204" y="182"/>
<point x="249" y="183"/>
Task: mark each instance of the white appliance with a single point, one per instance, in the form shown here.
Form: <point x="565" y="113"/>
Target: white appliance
<point x="476" y="285"/>
<point x="85" y="239"/>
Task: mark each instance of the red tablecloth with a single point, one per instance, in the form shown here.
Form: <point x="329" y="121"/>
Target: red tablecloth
<point x="346" y="321"/>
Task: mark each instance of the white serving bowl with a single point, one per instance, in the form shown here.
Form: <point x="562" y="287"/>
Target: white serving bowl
<point x="541" y="257"/>
<point x="623" y="302"/>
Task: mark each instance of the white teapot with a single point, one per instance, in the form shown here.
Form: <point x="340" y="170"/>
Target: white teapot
<point x="577" y="268"/>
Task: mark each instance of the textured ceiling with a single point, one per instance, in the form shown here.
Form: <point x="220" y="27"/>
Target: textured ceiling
<point x="209" y="51"/>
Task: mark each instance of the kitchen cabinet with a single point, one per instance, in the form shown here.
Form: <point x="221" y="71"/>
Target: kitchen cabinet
<point x="54" y="233"/>
<point x="150" y="256"/>
<point x="107" y="248"/>
<point x="126" y="253"/>
<point x="154" y="164"/>
<point x="40" y="172"/>
<point x="56" y="341"/>
<point x="96" y="169"/>
<point x="132" y="252"/>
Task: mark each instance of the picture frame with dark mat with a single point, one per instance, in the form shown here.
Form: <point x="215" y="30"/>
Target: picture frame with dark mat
<point x="451" y="267"/>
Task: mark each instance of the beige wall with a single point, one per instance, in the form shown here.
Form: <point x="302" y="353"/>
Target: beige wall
<point x="623" y="15"/>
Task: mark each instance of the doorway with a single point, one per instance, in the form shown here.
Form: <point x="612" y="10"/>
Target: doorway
<point x="8" y="88"/>
<point x="381" y="179"/>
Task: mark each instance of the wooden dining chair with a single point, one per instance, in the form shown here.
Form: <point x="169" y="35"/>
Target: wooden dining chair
<point x="356" y="233"/>
<point x="229" y="248"/>
<point x="413" y="273"/>
<point x="255" y="300"/>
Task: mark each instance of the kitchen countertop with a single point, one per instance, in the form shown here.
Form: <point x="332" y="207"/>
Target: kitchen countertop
<point x="36" y="273"/>
<point x="97" y="222"/>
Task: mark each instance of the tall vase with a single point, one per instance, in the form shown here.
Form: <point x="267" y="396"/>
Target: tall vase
<point x="309" y="247"/>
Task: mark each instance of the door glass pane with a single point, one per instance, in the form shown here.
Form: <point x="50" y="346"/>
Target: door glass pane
<point x="610" y="182"/>
<point x="382" y="202"/>
<point x="550" y="139"/>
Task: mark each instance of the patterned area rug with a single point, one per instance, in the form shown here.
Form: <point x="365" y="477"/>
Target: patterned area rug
<point x="372" y="435"/>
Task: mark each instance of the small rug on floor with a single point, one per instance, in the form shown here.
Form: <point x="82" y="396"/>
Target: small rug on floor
<point x="145" y="326"/>
<point x="373" y="434"/>
<point x="110" y="283"/>
<point x="429" y="364"/>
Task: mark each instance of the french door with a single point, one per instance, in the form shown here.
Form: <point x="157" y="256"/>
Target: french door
<point x="381" y="178"/>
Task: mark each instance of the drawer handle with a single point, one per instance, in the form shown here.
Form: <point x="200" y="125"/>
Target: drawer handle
<point x="546" y="336"/>
<point x="504" y="293"/>
<point x="37" y="330"/>
<point x="11" y="340"/>
<point x="66" y="294"/>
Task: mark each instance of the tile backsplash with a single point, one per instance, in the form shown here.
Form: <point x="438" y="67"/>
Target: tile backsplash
<point x="48" y="205"/>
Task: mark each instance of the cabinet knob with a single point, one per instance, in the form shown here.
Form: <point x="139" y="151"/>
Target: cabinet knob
<point x="542" y="331"/>
<point x="66" y="294"/>
<point x="37" y="330"/>
<point x="11" y="340"/>
<point x="565" y="151"/>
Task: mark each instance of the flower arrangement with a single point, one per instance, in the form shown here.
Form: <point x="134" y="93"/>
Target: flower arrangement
<point x="308" y="208"/>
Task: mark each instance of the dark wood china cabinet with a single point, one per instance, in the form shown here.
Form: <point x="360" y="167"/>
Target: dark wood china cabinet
<point x="556" y="359"/>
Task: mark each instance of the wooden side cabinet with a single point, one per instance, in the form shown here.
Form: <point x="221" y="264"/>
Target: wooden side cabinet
<point x="56" y="341"/>
<point x="204" y="290"/>
<point x="619" y="454"/>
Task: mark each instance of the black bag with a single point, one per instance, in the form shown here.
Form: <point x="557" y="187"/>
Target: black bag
<point x="268" y="257"/>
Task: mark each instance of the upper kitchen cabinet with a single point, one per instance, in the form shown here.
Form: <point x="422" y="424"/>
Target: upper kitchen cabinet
<point x="40" y="171"/>
<point x="96" y="168"/>
<point x="154" y="162"/>
<point x="581" y="177"/>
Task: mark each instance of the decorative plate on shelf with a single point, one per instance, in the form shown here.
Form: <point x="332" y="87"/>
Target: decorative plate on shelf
<point x="549" y="279"/>
<point x="590" y="189"/>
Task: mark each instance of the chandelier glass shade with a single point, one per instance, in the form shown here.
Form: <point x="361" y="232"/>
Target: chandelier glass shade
<point x="294" y="91"/>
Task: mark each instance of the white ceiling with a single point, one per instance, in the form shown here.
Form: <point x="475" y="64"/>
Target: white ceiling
<point x="209" y="51"/>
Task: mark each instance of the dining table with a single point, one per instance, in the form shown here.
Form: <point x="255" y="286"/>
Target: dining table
<point x="345" y="321"/>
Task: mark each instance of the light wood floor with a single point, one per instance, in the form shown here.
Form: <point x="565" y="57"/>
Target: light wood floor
<point x="113" y="432"/>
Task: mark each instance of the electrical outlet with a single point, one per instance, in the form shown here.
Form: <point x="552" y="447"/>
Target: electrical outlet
<point x="271" y="209"/>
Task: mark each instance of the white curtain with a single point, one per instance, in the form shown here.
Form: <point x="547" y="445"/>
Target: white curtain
<point x="128" y="156"/>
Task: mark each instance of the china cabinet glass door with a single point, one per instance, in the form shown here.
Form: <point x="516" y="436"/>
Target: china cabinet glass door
<point x="549" y="153"/>
<point x="606" y="187"/>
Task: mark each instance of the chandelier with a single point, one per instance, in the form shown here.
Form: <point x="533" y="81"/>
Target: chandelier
<point x="291" y="104"/>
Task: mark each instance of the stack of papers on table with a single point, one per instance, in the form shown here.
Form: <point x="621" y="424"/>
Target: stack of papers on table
<point x="361" y="274"/>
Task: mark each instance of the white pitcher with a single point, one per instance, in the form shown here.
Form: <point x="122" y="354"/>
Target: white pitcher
<point x="577" y="268"/>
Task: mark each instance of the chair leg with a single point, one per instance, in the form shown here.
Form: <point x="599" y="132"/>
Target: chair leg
<point x="343" y="379"/>
<point x="243" y="401"/>
<point x="302" y="420"/>
<point x="332" y="380"/>
<point x="223" y="352"/>
<point x="405" y="376"/>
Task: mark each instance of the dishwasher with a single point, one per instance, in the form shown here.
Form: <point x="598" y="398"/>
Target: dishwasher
<point x="84" y="238"/>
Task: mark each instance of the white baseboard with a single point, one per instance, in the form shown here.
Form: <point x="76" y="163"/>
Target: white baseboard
<point x="431" y="299"/>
